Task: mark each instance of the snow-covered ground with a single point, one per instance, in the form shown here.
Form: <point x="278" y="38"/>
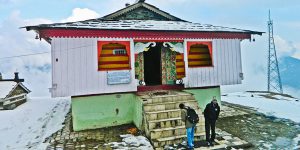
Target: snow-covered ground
<point x="271" y="105"/>
<point x="280" y="107"/>
<point x="28" y="125"/>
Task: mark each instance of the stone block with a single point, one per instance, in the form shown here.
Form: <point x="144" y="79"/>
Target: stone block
<point x="155" y="135"/>
<point x="160" y="107"/>
<point x="151" y="117"/>
<point x="180" y="132"/>
<point x="175" y="114"/>
<point x="168" y="124"/>
<point x="167" y="133"/>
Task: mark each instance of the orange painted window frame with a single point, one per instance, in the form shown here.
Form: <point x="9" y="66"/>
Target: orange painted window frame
<point x="100" y="45"/>
<point x="210" y="48"/>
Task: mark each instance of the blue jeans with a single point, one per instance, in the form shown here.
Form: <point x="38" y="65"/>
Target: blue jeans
<point x="190" y="136"/>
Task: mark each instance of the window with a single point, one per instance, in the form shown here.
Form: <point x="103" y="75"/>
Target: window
<point x="113" y="56"/>
<point x="199" y="54"/>
<point x="180" y="72"/>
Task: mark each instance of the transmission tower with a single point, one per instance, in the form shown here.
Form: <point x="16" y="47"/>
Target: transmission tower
<point x="274" y="80"/>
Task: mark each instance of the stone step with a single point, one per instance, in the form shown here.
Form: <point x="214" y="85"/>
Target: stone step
<point x="169" y="105"/>
<point x="164" y="123"/>
<point x="167" y="98"/>
<point x="165" y="114"/>
<point x="170" y="122"/>
<point x="172" y="131"/>
<point x="161" y="142"/>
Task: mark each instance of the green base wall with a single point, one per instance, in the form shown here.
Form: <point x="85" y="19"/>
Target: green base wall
<point x="204" y="96"/>
<point x="106" y="110"/>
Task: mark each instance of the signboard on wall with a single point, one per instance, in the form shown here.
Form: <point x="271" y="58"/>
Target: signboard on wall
<point x="118" y="77"/>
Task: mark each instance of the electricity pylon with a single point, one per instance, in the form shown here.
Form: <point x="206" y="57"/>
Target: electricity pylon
<point x="274" y="80"/>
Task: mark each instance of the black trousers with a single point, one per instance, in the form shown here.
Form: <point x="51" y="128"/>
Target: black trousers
<point x="210" y="125"/>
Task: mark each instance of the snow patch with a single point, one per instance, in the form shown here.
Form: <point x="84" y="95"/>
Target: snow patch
<point x="297" y="142"/>
<point x="131" y="142"/>
<point x="27" y="126"/>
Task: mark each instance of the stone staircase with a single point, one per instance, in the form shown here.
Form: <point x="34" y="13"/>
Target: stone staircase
<point x="162" y="117"/>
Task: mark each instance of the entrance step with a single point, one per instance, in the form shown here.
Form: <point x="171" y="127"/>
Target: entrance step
<point x="172" y="131"/>
<point x="166" y="114"/>
<point x="162" y="117"/>
<point x="161" y="142"/>
<point x="150" y="99"/>
<point x="167" y="123"/>
<point x="170" y="122"/>
<point x="169" y="105"/>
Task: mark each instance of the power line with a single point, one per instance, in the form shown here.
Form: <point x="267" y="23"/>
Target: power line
<point x="64" y="50"/>
<point x="24" y="55"/>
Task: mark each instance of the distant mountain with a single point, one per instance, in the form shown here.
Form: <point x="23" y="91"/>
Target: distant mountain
<point x="290" y="71"/>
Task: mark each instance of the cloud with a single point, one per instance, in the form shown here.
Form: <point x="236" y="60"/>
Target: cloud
<point x="291" y="91"/>
<point x="79" y="14"/>
<point x="35" y="69"/>
<point x="297" y="53"/>
<point x="283" y="47"/>
<point x="14" y="41"/>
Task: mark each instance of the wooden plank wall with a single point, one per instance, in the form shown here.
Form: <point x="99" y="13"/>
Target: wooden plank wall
<point x="76" y="70"/>
<point x="227" y="66"/>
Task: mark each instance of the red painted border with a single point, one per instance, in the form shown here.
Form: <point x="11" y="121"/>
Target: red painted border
<point x="159" y="40"/>
<point x="159" y="87"/>
<point x="141" y="35"/>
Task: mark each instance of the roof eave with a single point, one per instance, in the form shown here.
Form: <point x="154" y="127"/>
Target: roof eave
<point x="37" y="28"/>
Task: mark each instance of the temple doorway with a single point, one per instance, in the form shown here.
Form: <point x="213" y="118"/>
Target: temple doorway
<point x="152" y="65"/>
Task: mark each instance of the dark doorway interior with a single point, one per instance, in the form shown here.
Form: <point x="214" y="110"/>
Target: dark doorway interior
<point x="152" y="65"/>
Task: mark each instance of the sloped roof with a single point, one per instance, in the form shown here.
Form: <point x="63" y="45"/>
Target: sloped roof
<point x="141" y="5"/>
<point x="118" y="21"/>
<point x="151" y="25"/>
<point x="6" y="87"/>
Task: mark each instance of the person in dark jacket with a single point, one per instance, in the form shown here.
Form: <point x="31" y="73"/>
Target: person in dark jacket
<point x="190" y="127"/>
<point x="211" y="114"/>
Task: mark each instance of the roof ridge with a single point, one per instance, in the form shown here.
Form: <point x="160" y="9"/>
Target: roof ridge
<point x="141" y="4"/>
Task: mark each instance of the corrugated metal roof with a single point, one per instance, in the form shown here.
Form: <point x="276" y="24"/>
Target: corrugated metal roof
<point x="142" y="25"/>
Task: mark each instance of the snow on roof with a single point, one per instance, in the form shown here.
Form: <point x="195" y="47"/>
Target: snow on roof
<point x="142" y="25"/>
<point x="6" y="87"/>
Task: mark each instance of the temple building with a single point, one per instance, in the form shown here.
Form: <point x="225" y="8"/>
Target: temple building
<point x="137" y="64"/>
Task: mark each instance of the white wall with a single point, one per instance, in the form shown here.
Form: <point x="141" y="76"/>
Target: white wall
<point x="76" y="72"/>
<point x="227" y="65"/>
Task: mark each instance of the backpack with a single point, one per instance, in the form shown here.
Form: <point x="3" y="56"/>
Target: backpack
<point x="192" y="116"/>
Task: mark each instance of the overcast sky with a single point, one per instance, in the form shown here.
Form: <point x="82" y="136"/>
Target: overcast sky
<point x="244" y="14"/>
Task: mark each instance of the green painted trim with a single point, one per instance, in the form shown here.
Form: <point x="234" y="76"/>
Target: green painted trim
<point x="105" y="110"/>
<point x="204" y="96"/>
